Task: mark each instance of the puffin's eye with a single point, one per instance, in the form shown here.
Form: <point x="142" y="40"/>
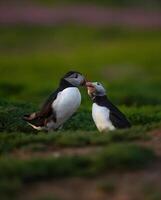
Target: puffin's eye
<point x="76" y="76"/>
<point x="98" y="83"/>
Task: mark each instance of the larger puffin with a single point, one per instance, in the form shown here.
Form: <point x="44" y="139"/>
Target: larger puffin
<point x="61" y="104"/>
<point x="105" y="115"/>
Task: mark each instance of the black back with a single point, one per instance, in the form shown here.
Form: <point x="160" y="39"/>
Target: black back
<point x="117" y="118"/>
<point x="46" y="109"/>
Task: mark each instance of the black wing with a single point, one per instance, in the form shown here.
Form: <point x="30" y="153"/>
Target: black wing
<point x="117" y="118"/>
<point x="46" y="112"/>
<point x="46" y="109"/>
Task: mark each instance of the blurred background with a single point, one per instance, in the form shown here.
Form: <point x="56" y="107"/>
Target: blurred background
<point x="115" y="42"/>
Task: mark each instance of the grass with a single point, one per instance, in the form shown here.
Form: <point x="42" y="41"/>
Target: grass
<point x="16" y="134"/>
<point x="113" y="157"/>
<point x="11" y="141"/>
<point x="11" y="117"/>
<point x="40" y="56"/>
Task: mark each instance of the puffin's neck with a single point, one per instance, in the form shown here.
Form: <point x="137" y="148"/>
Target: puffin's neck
<point x="65" y="84"/>
<point x="99" y="99"/>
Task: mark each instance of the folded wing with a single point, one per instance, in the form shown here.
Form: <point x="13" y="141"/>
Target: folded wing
<point x="117" y="118"/>
<point x="46" y="112"/>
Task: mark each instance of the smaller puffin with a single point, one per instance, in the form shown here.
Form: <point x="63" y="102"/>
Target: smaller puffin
<point x="60" y="105"/>
<point x="105" y="115"/>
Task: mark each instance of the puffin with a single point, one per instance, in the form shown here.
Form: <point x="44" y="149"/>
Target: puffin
<point x="60" y="105"/>
<point x="106" y="115"/>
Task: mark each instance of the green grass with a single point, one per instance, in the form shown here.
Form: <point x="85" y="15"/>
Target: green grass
<point x="11" y="141"/>
<point x="39" y="56"/>
<point x="113" y="157"/>
<point x="11" y="114"/>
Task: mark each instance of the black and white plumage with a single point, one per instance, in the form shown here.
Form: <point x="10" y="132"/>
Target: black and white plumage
<point x="105" y="115"/>
<point x="61" y="104"/>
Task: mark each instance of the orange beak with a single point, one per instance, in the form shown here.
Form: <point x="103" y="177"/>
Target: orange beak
<point x="90" y="87"/>
<point x="89" y="84"/>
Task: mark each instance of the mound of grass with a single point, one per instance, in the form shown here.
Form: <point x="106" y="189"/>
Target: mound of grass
<point x="17" y="140"/>
<point x="113" y="157"/>
<point x="11" y="117"/>
<point x="15" y="174"/>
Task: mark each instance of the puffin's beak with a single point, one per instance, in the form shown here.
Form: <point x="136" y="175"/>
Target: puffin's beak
<point x="89" y="84"/>
<point x="90" y="88"/>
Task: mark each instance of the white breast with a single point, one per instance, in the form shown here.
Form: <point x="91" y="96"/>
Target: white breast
<point x="65" y="106"/>
<point x="101" y="117"/>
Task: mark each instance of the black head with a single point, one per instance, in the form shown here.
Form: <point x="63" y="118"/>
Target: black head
<point x="74" y="78"/>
